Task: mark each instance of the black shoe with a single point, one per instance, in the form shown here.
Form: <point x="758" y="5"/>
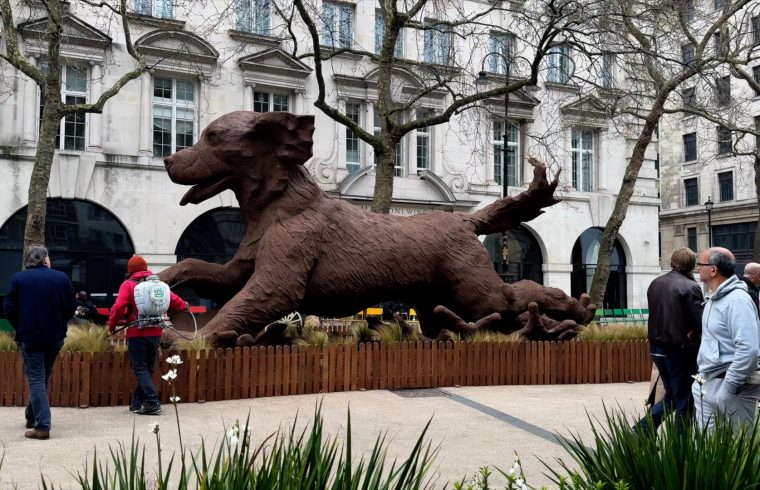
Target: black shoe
<point x="134" y="408"/>
<point x="30" y="424"/>
<point x="150" y="409"/>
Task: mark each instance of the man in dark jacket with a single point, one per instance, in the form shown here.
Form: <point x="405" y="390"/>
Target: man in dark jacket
<point x="675" y="323"/>
<point x="751" y="278"/>
<point x="40" y="302"/>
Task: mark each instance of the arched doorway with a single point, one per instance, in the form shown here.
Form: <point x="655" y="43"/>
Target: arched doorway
<point x="585" y="255"/>
<point x="214" y="237"/>
<point x="85" y="240"/>
<point x="519" y="257"/>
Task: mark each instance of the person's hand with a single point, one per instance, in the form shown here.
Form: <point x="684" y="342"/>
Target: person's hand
<point x="726" y="393"/>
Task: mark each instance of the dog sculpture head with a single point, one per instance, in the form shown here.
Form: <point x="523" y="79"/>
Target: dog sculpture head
<point x="242" y="150"/>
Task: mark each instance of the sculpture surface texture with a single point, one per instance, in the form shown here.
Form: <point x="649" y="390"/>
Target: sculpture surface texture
<point x="304" y="251"/>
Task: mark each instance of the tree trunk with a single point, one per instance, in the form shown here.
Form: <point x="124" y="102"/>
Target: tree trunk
<point x="615" y="221"/>
<point x="756" y="252"/>
<point x="385" y="162"/>
<point x="34" y="232"/>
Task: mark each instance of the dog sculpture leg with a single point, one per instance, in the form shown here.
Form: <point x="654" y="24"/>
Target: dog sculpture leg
<point x="270" y="293"/>
<point x="215" y="281"/>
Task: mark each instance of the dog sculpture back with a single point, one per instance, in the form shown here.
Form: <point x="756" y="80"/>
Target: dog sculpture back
<point x="304" y="251"/>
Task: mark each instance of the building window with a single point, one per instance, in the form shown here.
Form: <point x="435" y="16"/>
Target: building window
<point x="253" y="16"/>
<point x="506" y="160"/>
<point x="173" y="115"/>
<point x="423" y="142"/>
<point x="439" y="45"/>
<point x="726" y="185"/>
<point x="691" y="238"/>
<point x="723" y="89"/>
<point x="689" y="147"/>
<point x="155" y="8"/>
<point x="608" y="70"/>
<point x="560" y="64"/>
<point x="687" y="11"/>
<point x="582" y="144"/>
<point x="689" y="97"/>
<point x="721" y="48"/>
<point x="687" y="54"/>
<point x="755" y="28"/>
<point x="73" y="127"/>
<point x="337" y="28"/>
<point x="353" y="155"/>
<point x="398" y="170"/>
<point x="756" y="77"/>
<point x="737" y="237"/>
<point x="501" y="50"/>
<point x="757" y="128"/>
<point x="725" y="143"/>
<point x="691" y="192"/>
<point x="270" y="102"/>
<point x="398" y="50"/>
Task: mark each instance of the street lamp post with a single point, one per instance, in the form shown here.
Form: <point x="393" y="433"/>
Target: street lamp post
<point x="482" y="82"/>
<point x="709" y="208"/>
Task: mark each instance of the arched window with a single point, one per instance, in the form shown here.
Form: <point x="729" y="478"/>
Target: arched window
<point x="585" y="255"/>
<point x="214" y="237"/>
<point x="519" y="257"/>
<point x="85" y="241"/>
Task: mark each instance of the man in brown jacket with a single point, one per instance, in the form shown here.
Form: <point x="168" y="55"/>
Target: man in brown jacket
<point x="675" y="323"/>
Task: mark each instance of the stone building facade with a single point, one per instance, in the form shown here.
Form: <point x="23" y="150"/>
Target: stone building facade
<point x="111" y="197"/>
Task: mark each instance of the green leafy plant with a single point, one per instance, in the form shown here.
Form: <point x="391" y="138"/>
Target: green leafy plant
<point x="515" y="478"/>
<point x="390" y="332"/>
<point x="620" y="457"/>
<point x="362" y="333"/>
<point x="613" y="332"/>
<point x="7" y="342"/>
<point x="86" y="337"/>
<point x="199" y="343"/>
<point x="312" y="337"/>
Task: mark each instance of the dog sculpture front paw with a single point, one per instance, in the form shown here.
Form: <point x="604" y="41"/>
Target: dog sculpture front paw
<point x="540" y="328"/>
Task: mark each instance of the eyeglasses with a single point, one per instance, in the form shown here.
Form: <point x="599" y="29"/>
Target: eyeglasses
<point x="702" y="264"/>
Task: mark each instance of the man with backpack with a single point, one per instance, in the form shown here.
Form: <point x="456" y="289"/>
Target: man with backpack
<point x="144" y="328"/>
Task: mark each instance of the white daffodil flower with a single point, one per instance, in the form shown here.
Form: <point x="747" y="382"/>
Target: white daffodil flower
<point x="699" y="379"/>
<point x="174" y="399"/>
<point x="174" y="360"/>
<point x="172" y="374"/>
<point x="153" y="427"/>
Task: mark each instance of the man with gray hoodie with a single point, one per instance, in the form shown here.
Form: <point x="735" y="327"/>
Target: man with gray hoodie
<point x="727" y="384"/>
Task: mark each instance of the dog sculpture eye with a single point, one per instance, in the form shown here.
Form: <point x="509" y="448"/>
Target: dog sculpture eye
<point x="212" y="137"/>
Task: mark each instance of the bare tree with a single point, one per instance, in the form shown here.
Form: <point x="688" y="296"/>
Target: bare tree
<point x="49" y="81"/>
<point x="530" y="31"/>
<point x="664" y="45"/>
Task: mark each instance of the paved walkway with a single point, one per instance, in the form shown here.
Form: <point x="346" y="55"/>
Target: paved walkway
<point x="474" y="426"/>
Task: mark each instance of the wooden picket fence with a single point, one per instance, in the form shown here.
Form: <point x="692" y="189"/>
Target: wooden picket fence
<point x="105" y="379"/>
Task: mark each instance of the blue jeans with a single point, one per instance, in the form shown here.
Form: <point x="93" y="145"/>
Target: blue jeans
<point x="142" y="352"/>
<point x="676" y="366"/>
<point x="39" y="360"/>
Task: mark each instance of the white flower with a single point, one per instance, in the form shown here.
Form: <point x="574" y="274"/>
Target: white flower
<point x="521" y="484"/>
<point x="233" y="441"/>
<point x="174" y="399"/>
<point x="174" y="360"/>
<point x="172" y="374"/>
<point x="511" y="471"/>
<point x="699" y="379"/>
<point x="153" y="427"/>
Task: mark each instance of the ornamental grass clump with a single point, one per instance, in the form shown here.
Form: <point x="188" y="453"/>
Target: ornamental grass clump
<point x="7" y="342"/>
<point x="86" y="337"/>
<point x="619" y="457"/>
<point x="613" y="332"/>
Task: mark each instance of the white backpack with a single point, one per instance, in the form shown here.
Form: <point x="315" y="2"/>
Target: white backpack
<point x="152" y="297"/>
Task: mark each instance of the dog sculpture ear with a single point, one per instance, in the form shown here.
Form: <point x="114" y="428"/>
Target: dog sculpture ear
<point x="291" y="135"/>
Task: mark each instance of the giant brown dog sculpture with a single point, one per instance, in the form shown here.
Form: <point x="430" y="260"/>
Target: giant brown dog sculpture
<point x="304" y="251"/>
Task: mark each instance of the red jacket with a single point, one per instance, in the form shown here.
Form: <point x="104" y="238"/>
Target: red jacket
<point x="125" y="307"/>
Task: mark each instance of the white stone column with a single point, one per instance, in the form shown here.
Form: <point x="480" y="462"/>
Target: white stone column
<point x="601" y="173"/>
<point x="96" y="120"/>
<point x="299" y="104"/>
<point x="31" y="108"/>
<point x="411" y="152"/>
<point x="369" y="125"/>
<point x="248" y="96"/>
<point x="146" y="96"/>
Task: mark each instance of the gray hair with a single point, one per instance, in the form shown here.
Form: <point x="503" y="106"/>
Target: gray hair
<point x="723" y="260"/>
<point x="35" y="256"/>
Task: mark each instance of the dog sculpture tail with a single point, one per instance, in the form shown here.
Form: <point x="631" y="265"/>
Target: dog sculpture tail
<point x="509" y="212"/>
